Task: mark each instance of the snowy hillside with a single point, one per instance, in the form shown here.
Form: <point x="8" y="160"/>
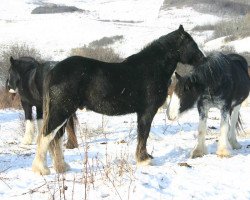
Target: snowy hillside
<point x="56" y="34"/>
<point x="110" y="171"/>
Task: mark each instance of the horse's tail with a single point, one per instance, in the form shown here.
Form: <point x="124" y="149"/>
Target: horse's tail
<point x="46" y="102"/>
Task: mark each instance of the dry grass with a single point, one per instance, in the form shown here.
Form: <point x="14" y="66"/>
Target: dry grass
<point x="221" y="7"/>
<point x="233" y="29"/>
<point x="15" y="50"/>
<point x="7" y="100"/>
<point x="100" y="53"/>
<point x="105" y="41"/>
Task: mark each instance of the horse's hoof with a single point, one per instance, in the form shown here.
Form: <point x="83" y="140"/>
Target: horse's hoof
<point x="70" y="145"/>
<point x="197" y="154"/>
<point x="144" y="159"/>
<point x="223" y="153"/>
<point x="62" y="168"/>
<point x="40" y="170"/>
<point x="144" y="162"/>
<point x="236" y="145"/>
<point x="27" y="140"/>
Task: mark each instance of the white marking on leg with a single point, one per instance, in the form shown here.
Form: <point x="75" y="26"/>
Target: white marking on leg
<point x="39" y="128"/>
<point x="232" y="133"/>
<point x="200" y="148"/>
<point x="39" y="125"/>
<point x="39" y="164"/>
<point x="173" y="107"/>
<point x="29" y="132"/>
<point x="224" y="147"/>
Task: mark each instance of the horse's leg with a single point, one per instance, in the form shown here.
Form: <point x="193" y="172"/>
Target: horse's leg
<point x="55" y="149"/>
<point x="70" y="128"/>
<point x="232" y="134"/>
<point x="200" y="148"/>
<point x="29" y="124"/>
<point x="224" y="147"/>
<point x="39" y="164"/>
<point x="144" y="121"/>
<point x="39" y="120"/>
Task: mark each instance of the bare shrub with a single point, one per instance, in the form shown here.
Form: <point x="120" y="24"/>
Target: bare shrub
<point x="105" y="41"/>
<point x="100" y="53"/>
<point x="15" y="50"/>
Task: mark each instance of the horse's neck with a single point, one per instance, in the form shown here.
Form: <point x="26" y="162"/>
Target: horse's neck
<point x="30" y="80"/>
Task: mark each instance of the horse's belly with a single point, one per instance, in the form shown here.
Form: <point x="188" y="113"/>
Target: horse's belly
<point x="109" y="107"/>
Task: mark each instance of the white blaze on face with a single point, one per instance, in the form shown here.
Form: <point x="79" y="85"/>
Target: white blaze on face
<point x="173" y="107"/>
<point x="12" y="91"/>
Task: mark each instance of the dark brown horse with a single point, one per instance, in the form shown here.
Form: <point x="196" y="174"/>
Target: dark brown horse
<point x="136" y="85"/>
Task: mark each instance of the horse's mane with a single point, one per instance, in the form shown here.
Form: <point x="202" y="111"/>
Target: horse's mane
<point x="157" y="48"/>
<point x="28" y="59"/>
<point x="27" y="63"/>
<point x="212" y="70"/>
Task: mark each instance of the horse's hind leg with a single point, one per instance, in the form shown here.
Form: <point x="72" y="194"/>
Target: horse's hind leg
<point x="200" y="148"/>
<point x="39" y="164"/>
<point x="55" y="149"/>
<point x="224" y="147"/>
<point x="70" y="128"/>
<point x="232" y="134"/>
<point x="29" y="124"/>
<point x="144" y="124"/>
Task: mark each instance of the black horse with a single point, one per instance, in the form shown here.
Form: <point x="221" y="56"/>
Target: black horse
<point x="26" y="76"/>
<point x="222" y="81"/>
<point x="136" y="85"/>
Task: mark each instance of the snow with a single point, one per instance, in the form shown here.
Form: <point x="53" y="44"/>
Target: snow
<point x="113" y="146"/>
<point x="56" y="34"/>
<point x="240" y="46"/>
<point x="111" y="141"/>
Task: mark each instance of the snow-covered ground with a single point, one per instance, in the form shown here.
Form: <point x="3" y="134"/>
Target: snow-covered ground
<point x="111" y="141"/>
<point x="112" y="172"/>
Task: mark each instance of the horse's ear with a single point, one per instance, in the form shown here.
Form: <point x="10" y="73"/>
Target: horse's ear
<point x="178" y="76"/>
<point x="12" y="61"/>
<point x="181" y="29"/>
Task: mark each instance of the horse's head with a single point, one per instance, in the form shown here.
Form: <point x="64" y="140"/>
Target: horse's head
<point x="13" y="77"/>
<point x="185" y="94"/>
<point x="189" y="52"/>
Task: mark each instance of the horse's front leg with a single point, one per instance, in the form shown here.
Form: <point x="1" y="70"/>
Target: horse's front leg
<point x="29" y="124"/>
<point x="200" y="148"/>
<point x="144" y="121"/>
<point x="224" y="147"/>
